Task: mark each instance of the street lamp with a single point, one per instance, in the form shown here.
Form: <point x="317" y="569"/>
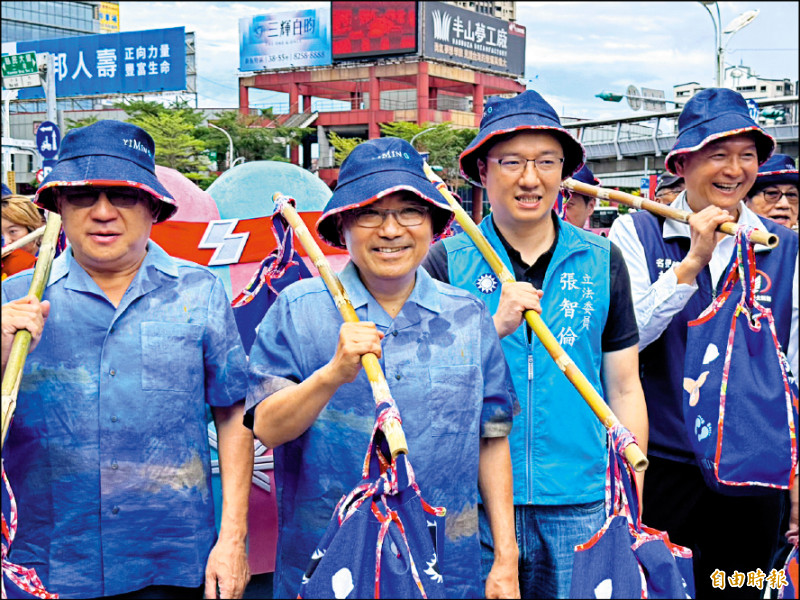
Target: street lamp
<point x="743" y="20"/>
<point x="416" y="135"/>
<point x="229" y="157"/>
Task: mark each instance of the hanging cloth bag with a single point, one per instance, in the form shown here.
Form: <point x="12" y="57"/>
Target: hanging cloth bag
<point x="626" y="559"/>
<point x="383" y="540"/>
<point x="739" y="402"/>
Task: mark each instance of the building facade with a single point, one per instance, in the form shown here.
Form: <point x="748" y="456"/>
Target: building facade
<point x="39" y="20"/>
<point x="502" y="10"/>
<point x="742" y="79"/>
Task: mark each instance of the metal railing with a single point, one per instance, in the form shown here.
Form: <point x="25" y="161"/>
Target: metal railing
<point x="655" y="133"/>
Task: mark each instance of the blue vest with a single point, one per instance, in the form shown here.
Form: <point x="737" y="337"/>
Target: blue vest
<point x="558" y="446"/>
<point x="661" y="363"/>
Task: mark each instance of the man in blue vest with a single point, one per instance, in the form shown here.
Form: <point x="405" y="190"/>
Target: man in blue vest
<point x="676" y="269"/>
<point x="579" y="283"/>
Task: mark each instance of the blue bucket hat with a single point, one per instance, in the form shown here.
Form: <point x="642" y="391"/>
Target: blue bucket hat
<point x="712" y="114"/>
<point x="107" y="154"/>
<point x="779" y="169"/>
<point x="585" y="175"/>
<point x="6" y="191"/>
<point x="527" y="111"/>
<point x="376" y="169"/>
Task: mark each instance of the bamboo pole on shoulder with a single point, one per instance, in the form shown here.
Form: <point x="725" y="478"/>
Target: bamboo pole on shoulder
<point x="22" y="339"/>
<point x="392" y="429"/>
<point x="633" y="453"/>
<point x="758" y="236"/>
<point x="23" y="241"/>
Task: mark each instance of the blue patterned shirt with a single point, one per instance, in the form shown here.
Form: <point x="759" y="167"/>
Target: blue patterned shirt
<point x="446" y="371"/>
<point x="108" y="452"/>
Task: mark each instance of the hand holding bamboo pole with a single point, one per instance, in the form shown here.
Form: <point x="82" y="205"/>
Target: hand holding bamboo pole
<point x="392" y="428"/>
<point x="759" y="237"/>
<point x="22" y="339"/>
<point x="633" y="453"/>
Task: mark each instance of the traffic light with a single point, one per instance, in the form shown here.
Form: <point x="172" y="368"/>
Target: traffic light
<point x="609" y="96"/>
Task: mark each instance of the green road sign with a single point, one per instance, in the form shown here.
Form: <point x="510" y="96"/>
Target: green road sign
<point x="20" y="64"/>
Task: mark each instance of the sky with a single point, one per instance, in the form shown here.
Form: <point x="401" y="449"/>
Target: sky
<point x="574" y="50"/>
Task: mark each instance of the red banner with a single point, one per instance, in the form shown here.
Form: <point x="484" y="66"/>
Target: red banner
<point x="181" y="239"/>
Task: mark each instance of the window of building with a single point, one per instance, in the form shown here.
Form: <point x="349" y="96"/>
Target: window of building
<point x="763" y="88"/>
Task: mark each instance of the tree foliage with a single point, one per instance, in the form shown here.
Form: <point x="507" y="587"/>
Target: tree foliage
<point x="251" y="138"/>
<point x="174" y="130"/>
<point x="443" y="141"/>
<point x="176" y="145"/>
<point x="76" y="123"/>
<point x="342" y="146"/>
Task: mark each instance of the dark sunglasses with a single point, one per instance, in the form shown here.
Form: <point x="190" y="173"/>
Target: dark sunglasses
<point x="119" y="197"/>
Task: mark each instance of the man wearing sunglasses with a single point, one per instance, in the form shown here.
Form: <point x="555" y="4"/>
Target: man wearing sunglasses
<point x="108" y="453"/>
<point x="774" y="194"/>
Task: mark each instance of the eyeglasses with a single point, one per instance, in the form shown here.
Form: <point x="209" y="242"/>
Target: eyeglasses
<point x="773" y="196"/>
<point x="84" y="197"/>
<point x="375" y="217"/>
<point x="671" y="194"/>
<point x="518" y="164"/>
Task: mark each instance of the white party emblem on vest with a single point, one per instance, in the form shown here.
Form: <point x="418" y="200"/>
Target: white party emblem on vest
<point x="486" y="283"/>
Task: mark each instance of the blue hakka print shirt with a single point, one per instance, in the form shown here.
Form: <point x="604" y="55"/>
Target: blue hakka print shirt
<point x="446" y="371"/>
<point x="108" y="452"/>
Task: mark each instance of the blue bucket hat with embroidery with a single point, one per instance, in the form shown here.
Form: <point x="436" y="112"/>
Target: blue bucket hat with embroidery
<point x="779" y="169"/>
<point x="107" y="154"/>
<point x="376" y="169"/>
<point x="527" y="111"/>
<point x="712" y="114"/>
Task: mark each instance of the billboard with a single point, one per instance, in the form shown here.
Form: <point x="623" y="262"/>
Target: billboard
<point x="109" y="17"/>
<point x="363" y="29"/>
<point x="112" y="63"/>
<point x="473" y="39"/>
<point x="300" y="38"/>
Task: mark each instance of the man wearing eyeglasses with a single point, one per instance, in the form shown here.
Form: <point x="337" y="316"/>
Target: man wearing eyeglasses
<point x="312" y="402"/>
<point x="668" y="188"/>
<point x="108" y="453"/>
<point x="578" y="282"/>
<point x="774" y="194"/>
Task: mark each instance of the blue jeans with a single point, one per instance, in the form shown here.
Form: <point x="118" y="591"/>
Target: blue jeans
<point x="546" y="536"/>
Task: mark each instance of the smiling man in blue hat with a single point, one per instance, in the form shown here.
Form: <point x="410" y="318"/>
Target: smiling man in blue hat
<point x="312" y="401"/>
<point x="775" y="193"/>
<point x="676" y="269"/>
<point x="579" y="284"/>
<point x="108" y="452"/>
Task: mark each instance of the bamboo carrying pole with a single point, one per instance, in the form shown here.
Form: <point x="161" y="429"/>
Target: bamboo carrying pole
<point x="758" y="236"/>
<point x="633" y="453"/>
<point x="392" y="428"/>
<point x="22" y="339"/>
<point x="23" y="241"/>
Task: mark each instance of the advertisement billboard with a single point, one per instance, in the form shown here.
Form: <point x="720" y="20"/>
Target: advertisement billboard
<point x="112" y="63"/>
<point x="109" y="17"/>
<point x="300" y="38"/>
<point x="473" y="39"/>
<point x="373" y="28"/>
